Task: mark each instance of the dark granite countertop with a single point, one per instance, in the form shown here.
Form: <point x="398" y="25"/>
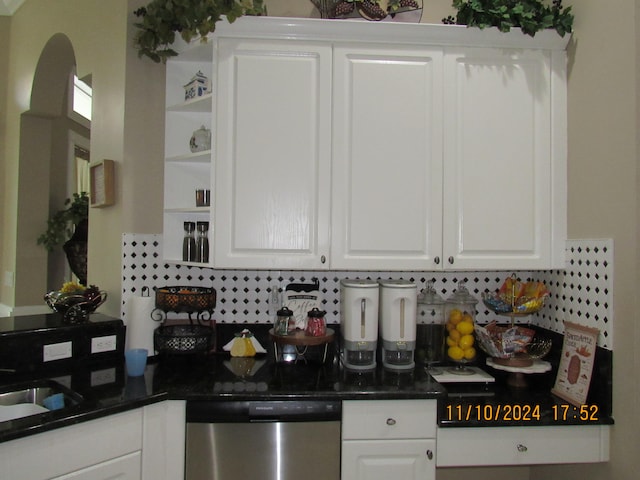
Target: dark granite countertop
<point x="106" y="390"/>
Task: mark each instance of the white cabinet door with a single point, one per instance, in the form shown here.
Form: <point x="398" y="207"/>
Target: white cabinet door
<point x="163" y="440"/>
<point x="503" y="178"/>
<point x="385" y="460"/>
<point x="77" y="448"/>
<point x="122" y="468"/>
<point x="387" y="158"/>
<point x="273" y="154"/>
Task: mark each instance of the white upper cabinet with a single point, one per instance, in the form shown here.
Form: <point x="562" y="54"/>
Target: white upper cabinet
<point x="273" y="154"/>
<point x="376" y="146"/>
<point x="503" y="201"/>
<point x="387" y="157"/>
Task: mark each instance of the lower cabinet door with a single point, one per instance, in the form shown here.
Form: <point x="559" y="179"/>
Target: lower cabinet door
<point x="389" y="459"/>
<point x="126" y="467"/>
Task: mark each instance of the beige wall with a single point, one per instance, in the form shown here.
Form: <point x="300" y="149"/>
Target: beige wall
<point x="100" y="44"/>
<point x="603" y="186"/>
<point x="5" y="23"/>
<point x="128" y="128"/>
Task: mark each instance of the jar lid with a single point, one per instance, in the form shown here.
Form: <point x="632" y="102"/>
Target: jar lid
<point x="397" y="283"/>
<point x="359" y="282"/>
<point x="284" y="312"/>
<point x="462" y="295"/>
<point x="315" y="312"/>
<point x="429" y="296"/>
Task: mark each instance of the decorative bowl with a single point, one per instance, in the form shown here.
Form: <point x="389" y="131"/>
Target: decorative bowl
<point x="503" y="342"/>
<point x="523" y="306"/>
<point x="75" y="308"/>
<point x="515" y="346"/>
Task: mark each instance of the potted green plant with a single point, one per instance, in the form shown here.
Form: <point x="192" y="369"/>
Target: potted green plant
<point x="70" y="227"/>
<point x="161" y="20"/>
<point x="529" y="15"/>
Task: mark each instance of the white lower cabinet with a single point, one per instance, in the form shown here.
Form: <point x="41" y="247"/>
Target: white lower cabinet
<point x="465" y="447"/>
<point x="383" y="460"/>
<point x="389" y="439"/>
<point x="147" y="443"/>
<point x="121" y="468"/>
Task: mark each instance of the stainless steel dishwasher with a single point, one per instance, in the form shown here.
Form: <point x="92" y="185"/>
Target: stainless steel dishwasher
<point x="266" y="440"/>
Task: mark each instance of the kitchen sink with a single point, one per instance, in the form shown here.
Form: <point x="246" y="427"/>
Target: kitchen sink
<point x="32" y="398"/>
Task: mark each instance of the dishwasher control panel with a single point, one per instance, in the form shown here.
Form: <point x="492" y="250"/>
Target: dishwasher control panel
<point x="296" y="408"/>
<point x="263" y="411"/>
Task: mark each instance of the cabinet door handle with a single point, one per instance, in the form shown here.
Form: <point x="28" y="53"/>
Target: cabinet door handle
<point x="451" y="260"/>
<point x="436" y="260"/>
<point x="429" y="454"/>
<point x="323" y="259"/>
<point x="522" y="448"/>
<point x="391" y="421"/>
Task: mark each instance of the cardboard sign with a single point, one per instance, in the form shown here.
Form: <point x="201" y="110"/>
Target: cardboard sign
<point x="576" y="364"/>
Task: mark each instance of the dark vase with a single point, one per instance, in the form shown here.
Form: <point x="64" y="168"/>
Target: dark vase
<point x="76" y="250"/>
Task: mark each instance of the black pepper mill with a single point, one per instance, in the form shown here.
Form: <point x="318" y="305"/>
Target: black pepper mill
<point x="202" y="254"/>
<point x="189" y="242"/>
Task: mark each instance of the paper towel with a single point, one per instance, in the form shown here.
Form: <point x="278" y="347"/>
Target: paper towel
<point x="140" y="325"/>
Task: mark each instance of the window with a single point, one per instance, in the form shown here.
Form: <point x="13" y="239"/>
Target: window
<point x="82" y="93"/>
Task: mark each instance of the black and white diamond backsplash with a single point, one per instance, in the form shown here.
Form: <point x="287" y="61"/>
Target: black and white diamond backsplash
<point x="581" y="293"/>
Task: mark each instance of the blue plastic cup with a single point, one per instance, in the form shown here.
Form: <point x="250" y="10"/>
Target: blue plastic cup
<point x="136" y="360"/>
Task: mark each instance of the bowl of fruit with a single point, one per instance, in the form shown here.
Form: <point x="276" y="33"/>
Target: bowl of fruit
<point x="75" y="301"/>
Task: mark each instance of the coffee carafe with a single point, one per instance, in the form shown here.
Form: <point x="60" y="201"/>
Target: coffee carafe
<point x="397" y="321"/>
<point x="359" y="323"/>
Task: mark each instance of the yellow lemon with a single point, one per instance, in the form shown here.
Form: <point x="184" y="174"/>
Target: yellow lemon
<point x="451" y="342"/>
<point x="466" y="341"/>
<point x="469" y="353"/>
<point x="464" y="328"/>
<point x="455" y="316"/>
<point x="455" y="353"/>
<point x="455" y="334"/>
<point x="467" y="318"/>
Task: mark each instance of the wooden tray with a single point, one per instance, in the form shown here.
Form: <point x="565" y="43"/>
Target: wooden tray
<point x="300" y="338"/>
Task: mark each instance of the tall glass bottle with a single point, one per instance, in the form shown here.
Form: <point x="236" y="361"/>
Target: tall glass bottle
<point x="189" y="242"/>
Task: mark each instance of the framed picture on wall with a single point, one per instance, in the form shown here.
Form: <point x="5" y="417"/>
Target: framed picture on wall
<point x="101" y="176"/>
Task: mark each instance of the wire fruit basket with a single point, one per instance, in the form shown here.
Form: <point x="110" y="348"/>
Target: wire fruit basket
<point x="183" y="339"/>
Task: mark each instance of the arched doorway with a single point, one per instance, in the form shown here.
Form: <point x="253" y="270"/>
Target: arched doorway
<point x="46" y="131"/>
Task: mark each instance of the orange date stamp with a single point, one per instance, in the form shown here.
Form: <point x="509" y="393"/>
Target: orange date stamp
<point x="563" y="412"/>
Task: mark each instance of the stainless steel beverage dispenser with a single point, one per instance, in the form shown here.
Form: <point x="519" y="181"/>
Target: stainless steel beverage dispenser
<point x="397" y="321"/>
<point x="359" y="301"/>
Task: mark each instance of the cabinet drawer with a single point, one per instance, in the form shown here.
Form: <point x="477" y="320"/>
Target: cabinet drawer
<point x="522" y="445"/>
<point x="388" y="419"/>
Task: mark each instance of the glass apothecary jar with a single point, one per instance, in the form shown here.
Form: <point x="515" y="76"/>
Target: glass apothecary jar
<point x="430" y="330"/>
<point x="460" y="314"/>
